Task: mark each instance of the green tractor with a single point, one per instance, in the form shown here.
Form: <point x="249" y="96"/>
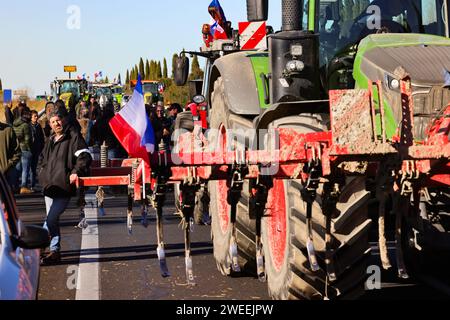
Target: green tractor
<point x="326" y="45"/>
<point x="151" y="89"/>
<point x="71" y="91"/>
<point x="118" y="92"/>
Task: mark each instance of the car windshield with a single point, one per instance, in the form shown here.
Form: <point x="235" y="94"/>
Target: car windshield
<point x="150" y="87"/>
<point x="343" y="23"/>
<point x="70" y="87"/>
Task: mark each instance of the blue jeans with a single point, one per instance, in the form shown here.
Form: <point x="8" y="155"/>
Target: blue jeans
<point x="24" y="166"/>
<point x="55" y="208"/>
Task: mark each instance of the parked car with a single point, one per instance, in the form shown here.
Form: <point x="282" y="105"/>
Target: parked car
<point x="19" y="250"/>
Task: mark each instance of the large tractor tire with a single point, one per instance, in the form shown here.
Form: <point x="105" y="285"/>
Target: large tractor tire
<point x="426" y="235"/>
<point x="284" y="235"/>
<point x="219" y="207"/>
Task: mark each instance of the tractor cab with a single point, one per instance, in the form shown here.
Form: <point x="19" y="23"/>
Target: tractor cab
<point x="71" y="91"/>
<point x="103" y="93"/>
<point x="152" y="90"/>
<point x="342" y="25"/>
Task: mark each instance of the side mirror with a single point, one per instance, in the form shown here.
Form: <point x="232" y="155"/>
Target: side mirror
<point x="181" y="71"/>
<point x="33" y="237"/>
<point x="257" y="10"/>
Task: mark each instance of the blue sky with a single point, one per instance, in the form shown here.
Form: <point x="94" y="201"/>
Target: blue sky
<point x="113" y="35"/>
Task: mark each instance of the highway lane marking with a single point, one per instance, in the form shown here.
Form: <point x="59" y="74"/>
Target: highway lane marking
<point x="88" y="281"/>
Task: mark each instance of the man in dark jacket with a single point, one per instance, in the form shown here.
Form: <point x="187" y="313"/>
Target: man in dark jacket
<point x="9" y="153"/>
<point x="65" y="158"/>
<point x="37" y="146"/>
<point x="22" y="128"/>
<point x="8" y="114"/>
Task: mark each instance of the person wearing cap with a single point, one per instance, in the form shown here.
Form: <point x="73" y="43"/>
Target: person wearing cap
<point x="65" y="158"/>
<point x="161" y="127"/>
<point x="174" y="110"/>
<point x="18" y="111"/>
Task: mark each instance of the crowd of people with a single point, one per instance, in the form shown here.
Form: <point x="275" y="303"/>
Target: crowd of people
<point x="59" y="147"/>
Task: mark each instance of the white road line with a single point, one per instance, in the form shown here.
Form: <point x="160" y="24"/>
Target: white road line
<point x="88" y="280"/>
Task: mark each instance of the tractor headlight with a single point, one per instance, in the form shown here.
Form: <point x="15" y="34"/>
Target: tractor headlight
<point x="395" y="84"/>
<point x="392" y="83"/>
<point x="295" y="66"/>
<point x="296" y="50"/>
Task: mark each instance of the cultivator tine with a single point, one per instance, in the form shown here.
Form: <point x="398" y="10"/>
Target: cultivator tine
<point x="130" y="215"/>
<point x="188" y="191"/>
<point x="234" y="255"/>
<point x="144" y="214"/>
<point x="402" y="273"/>
<point x="188" y="259"/>
<point x="329" y="253"/>
<point x="82" y="204"/>
<point x="382" y="234"/>
<point x="260" y="268"/>
<point x="259" y="201"/>
<point x="160" y="250"/>
<point x="309" y="243"/>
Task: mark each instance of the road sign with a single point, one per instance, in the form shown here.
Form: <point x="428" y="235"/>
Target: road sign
<point x="20" y="92"/>
<point x="70" y="68"/>
<point x="7" y="95"/>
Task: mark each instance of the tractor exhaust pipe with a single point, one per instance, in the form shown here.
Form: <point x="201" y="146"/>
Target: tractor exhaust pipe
<point x="292" y="15"/>
<point x="294" y="58"/>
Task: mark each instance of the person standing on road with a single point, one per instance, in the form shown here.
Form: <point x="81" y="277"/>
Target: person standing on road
<point x="36" y="148"/>
<point x="9" y="153"/>
<point x="22" y="128"/>
<point x="65" y="158"/>
<point x="8" y="114"/>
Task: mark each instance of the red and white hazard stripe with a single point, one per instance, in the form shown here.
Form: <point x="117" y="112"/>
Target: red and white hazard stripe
<point x="253" y="35"/>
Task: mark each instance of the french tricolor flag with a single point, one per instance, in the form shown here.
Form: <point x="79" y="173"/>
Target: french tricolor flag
<point x="133" y="128"/>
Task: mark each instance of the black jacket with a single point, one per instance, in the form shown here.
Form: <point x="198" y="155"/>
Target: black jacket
<point x="38" y="139"/>
<point x="61" y="159"/>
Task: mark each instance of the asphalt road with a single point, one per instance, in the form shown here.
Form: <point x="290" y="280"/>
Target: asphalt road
<point x="120" y="266"/>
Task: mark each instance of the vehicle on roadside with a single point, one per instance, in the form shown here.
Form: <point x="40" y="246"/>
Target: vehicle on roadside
<point x="19" y="250"/>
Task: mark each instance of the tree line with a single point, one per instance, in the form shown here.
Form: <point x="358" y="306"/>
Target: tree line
<point x="156" y="71"/>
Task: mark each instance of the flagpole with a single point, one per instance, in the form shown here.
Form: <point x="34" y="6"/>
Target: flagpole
<point x="143" y="180"/>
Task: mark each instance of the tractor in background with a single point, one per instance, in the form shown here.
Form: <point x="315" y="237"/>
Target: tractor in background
<point x="71" y="91"/>
<point x="153" y="91"/>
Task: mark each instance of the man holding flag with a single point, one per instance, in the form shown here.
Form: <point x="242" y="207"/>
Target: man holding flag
<point x="133" y="128"/>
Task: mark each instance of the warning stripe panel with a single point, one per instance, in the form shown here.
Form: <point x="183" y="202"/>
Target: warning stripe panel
<point x="253" y="35"/>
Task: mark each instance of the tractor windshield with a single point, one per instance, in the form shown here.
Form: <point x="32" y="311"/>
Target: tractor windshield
<point x="344" y="23"/>
<point x="117" y="90"/>
<point x="70" y="87"/>
<point x="150" y="88"/>
<point x="103" y="91"/>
